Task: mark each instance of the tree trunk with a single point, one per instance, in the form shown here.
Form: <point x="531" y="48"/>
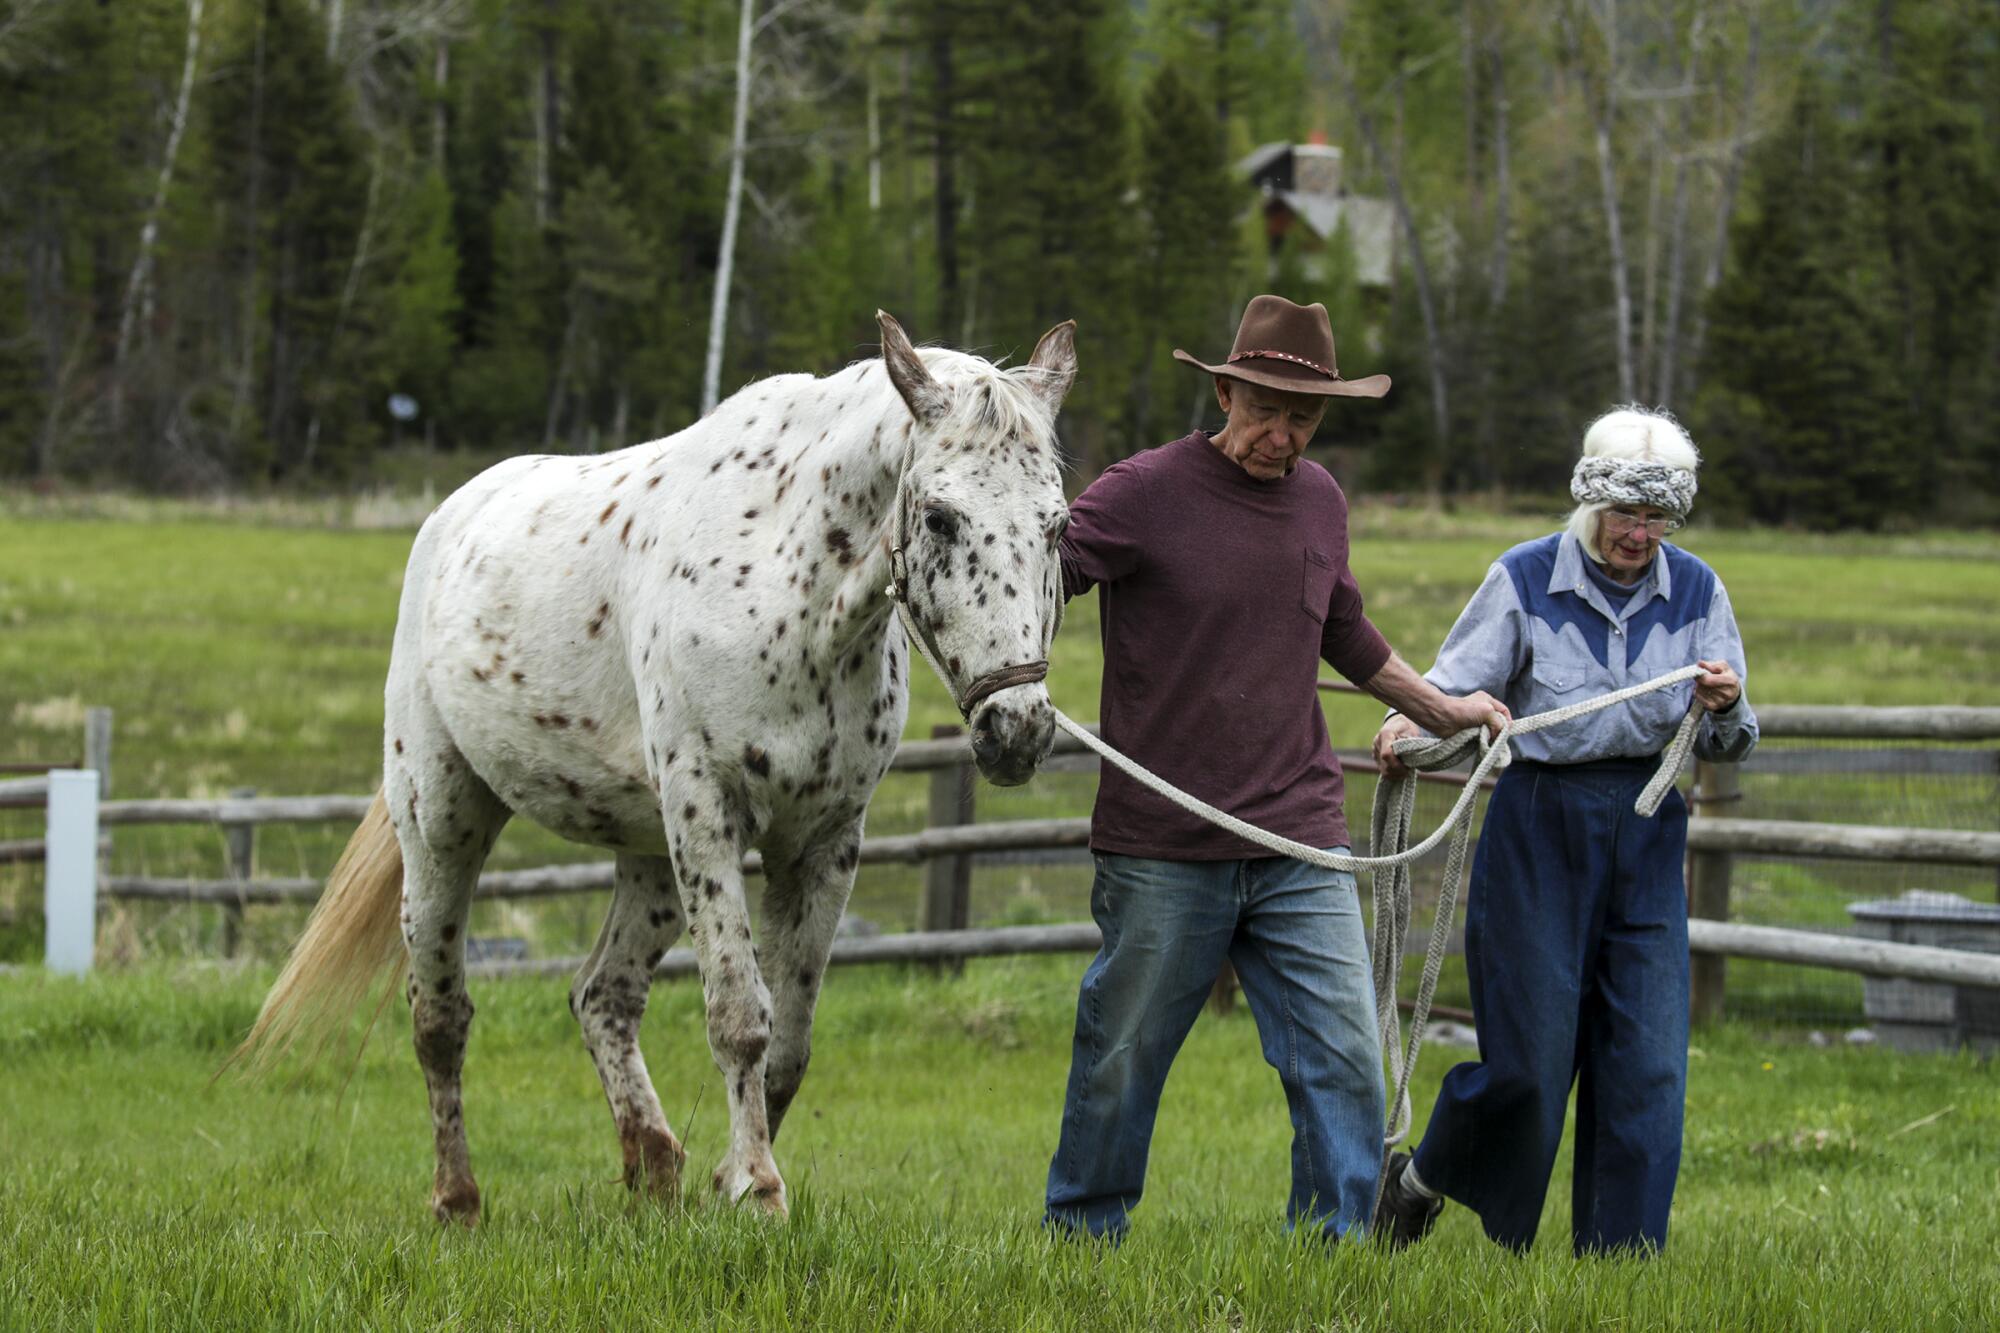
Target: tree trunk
<point x="548" y="125"/>
<point x="149" y="233"/>
<point x="1419" y="269"/>
<point x="246" y="368"/>
<point x="874" y="140"/>
<point x="559" y="385"/>
<point x="908" y="202"/>
<point x="1600" y="97"/>
<point x="1725" y="205"/>
<point x="944" y="95"/>
<point x="440" y="73"/>
<point x="1469" y="50"/>
<point x="1607" y="179"/>
<point x="359" y="262"/>
<point x="1670" y="337"/>
<point x="732" y="211"/>
<point x="1496" y="265"/>
<point x="1649" y="291"/>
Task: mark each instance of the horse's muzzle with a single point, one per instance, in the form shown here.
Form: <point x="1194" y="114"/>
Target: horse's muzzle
<point x="1010" y="739"/>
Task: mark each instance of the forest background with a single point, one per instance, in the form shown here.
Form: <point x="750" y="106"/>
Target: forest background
<point x="232" y="230"/>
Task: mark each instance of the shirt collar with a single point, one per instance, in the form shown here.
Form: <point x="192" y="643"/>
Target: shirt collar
<point x="1568" y="576"/>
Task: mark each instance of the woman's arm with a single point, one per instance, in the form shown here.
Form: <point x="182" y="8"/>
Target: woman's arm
<point x="1728" y="727"/>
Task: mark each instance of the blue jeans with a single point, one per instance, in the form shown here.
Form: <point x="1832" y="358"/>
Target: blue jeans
<point x="1576" y="948"/>
<point x="1294" y="933"/>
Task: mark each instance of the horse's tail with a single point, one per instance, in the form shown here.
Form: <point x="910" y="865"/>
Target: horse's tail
<point x="352" y="940"/>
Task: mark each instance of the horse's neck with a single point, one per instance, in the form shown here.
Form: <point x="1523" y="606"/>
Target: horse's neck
<point x="849" y="484"/>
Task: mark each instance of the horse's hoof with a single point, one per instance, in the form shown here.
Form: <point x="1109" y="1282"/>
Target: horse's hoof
<point x="653" y="1161"/>
<point x="763" y="1189"/>
<point x="456" y="1203"/>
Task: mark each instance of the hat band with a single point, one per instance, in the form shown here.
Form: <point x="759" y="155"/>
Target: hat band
<point x="1286" y="356"/>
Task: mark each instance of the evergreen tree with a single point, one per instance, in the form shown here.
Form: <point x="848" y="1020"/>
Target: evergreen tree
<point x="1245" y="60"/>
<point x="1933" y="185"/>
<point x="1801" y="415"/>
<point x="420" y="326"/>
<point x="291" y="175"/>
<point x="1187" y="203"/>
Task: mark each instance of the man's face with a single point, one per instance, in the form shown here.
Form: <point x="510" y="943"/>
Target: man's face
<point x="1268" y="428"/>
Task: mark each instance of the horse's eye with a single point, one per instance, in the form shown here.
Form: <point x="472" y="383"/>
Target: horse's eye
<point x="940" y="522"/>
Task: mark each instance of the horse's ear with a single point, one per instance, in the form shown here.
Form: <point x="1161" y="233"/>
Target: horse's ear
<point x="925" y="397"/>
<point x="1055" y="363"/>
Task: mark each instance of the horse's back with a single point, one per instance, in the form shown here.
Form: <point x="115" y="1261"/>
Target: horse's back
<point x="513" y="633"/>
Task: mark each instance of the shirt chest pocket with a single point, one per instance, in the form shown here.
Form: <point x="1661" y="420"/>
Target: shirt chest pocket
<point x="1562" y="668"/>
<point x="1317" y="587"/>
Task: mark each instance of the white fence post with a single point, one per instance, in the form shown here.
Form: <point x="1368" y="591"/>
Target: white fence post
<point x="70" y="904"/>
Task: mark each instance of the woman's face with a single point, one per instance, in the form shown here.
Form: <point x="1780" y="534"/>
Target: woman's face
<point x="1628" y="536"/>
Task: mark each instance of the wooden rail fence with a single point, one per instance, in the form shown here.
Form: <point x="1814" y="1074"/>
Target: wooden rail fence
<point x="948" y="846"/>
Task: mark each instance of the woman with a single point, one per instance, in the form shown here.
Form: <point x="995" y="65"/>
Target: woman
<point x="1576" y="922"/>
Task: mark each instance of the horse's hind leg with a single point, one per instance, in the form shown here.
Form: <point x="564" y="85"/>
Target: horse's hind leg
<point x="446" y="820"/>
<point x="609" y="1000"/>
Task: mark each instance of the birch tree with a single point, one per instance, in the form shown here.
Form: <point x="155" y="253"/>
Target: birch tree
<point x="149" y="232"/>
<point x="732" y="211"/>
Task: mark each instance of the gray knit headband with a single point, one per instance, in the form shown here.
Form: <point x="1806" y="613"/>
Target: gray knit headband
<point x="1631" y="481"/>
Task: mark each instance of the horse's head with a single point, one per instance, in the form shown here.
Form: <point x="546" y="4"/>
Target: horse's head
<point x="978" y="514"/>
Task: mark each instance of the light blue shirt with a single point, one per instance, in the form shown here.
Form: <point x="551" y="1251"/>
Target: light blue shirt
<point x="1539" y="634"/>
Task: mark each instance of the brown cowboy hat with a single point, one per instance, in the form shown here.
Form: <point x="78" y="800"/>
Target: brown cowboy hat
<point x="1284" y="346"/>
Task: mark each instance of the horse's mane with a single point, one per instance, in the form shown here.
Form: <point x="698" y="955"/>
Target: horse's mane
<point x="988" y="398"/>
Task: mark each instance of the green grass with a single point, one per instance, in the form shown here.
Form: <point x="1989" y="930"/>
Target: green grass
<point x="135" y="1194"/>
<point x="245" y="645"/>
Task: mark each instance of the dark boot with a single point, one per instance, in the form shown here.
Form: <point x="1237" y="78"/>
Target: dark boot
<point x="1404" y="1216"/>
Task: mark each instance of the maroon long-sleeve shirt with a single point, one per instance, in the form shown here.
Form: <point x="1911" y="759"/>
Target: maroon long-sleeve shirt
<point x="1220" y="595"/>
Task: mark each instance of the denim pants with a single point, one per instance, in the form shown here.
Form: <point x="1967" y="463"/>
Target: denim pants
<point x="1294" y="933"/>
<point x="1576" y="948"/>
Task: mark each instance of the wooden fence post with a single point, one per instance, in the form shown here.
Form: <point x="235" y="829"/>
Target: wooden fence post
<point x="241" y="840"/>
<point x="948" y="879"/>
<point x="1716" y="787"/>
<point x="97" y="748"/>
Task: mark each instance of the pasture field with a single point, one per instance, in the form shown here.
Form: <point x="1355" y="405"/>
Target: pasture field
<point x="244" y="644"/>
<point x="1836" y="1188"/>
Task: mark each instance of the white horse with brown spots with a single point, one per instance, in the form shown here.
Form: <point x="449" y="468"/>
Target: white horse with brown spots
<point x="682" y="651"/>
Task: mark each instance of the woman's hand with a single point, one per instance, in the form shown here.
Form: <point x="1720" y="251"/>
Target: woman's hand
<point x="1392" y="731"/>
<point x="1717" y="687"/>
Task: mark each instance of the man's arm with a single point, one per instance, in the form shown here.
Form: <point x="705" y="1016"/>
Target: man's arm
<point x="1398" y="685"/>
<point x="1483" y="652"/>
<point x="1107" y="525"/>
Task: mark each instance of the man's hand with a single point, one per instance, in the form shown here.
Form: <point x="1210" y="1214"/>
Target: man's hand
<point x="1478" y="709"/>
<point x="1717" y="687"/>
<point x="1392" y="731"/>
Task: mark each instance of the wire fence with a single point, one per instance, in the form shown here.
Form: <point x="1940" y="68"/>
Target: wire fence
<point x="1912" y="784"/>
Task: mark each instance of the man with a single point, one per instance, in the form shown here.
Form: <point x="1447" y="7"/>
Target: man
<point x="1222" y="564"/>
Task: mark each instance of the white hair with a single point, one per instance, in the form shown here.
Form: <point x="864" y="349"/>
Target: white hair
<point x="1635" y="433"/>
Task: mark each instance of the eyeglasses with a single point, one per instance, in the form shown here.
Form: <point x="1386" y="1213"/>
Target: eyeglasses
<point x="1617" y="522"/>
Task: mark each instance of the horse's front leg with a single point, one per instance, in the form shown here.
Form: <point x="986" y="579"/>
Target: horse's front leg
<point x="707" y="841"/>
<point x="804" y="895"/>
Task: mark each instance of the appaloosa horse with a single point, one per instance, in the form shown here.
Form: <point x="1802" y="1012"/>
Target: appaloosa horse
<point x="681" y="651"/>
